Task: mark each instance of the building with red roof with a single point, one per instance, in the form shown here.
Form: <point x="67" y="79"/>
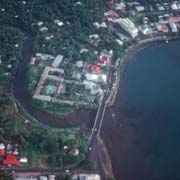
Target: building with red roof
<point x="2" y="149"/>
<point x="111" y="14"/>
<point x="110" y="2"/>
<point x="103" y="61"/>
<point x="2" y="152"/>
<point x="96" y="69"/>
<point x="87" y="66"/>
<point x="11" y="160"/>
<point x="174" y="19"/>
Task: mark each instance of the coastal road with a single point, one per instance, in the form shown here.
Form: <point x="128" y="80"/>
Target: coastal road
<point x="102" y="106"/>
<point x="97" y="150"/>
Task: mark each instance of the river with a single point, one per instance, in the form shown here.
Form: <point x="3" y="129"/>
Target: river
<point x="143" y="139"/>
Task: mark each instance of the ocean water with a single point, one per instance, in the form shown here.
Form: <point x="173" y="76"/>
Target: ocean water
<point x="144" y="137"/>
<point x="151" y="90"/>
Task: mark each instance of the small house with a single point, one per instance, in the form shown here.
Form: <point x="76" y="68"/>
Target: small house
<point x="23" y="160"/>
<point x="96" y="69"/>
<point x="139" y="8"/>
<point x="91" y="77"/>
<point x="111" y="14"/>
<point x="103" y="61"/>
<point x="79" y="64"/>
<point x="11" y="159"/>
<point x="2" y="149"/>
<point x="51" y="177"/>
<point x="43" y="178"/>
<point x="75" y="151"/>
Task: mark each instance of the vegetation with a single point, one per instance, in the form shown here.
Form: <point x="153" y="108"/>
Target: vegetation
<point x="11" y="45"/>
<point x="36" y="141"/>
<point x="32" y="77"/>
<point x="91" y="165"/>
<point x="5" y="176"/>
<point x="53" y="108"/>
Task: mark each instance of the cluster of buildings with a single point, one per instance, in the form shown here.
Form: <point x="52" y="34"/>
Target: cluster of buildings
<point x="79" y="176"/>
<point x="9" y="155"/>
<point x="125" y="23"/>
<point x="53" y="82"/>
<point x="168" y="18"/>
<point x="42" y="177"/>
<point x="86" y="177"/>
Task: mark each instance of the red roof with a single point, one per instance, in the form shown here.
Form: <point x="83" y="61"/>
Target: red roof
<point x="103" y="60"/>
<point x="95" y="41"/>
<point x="11" y="160"/>
<point x="96" y="69"/>
<point x="123" y="10"/>
<point x="174" y="19"/>
<point x="2" y="152"/>
<point x="164" y="28"/>
<point x="87" y="66"/>
<point x="110" y="1"/>
<point x="112" y="14"/>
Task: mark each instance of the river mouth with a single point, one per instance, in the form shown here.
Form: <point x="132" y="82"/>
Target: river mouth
<point x="143" y="138"/>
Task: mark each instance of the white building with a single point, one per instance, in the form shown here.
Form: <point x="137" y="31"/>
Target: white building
<point x="40" y="23"/>
<point x="96" y="77"/>
<point x="51" y="177"/>
<point x="139" y="8"/>
<point x="100" y="25"/>
<point x="145" y="29"/>
<point x="2" y="146"/>
<point x="119" y="42"/>
<point x="57" y="61"/>
<point x="161" y="8"/>
<point x="43" y="178"/>
<point x="120" y="6"/>
<point x="91" y="77"/>
<point x="86" y="177"/>
<point x="174" y="6"/>
<point x="44" y="56"/>
<point x="79" y="64"/>
<point x="43" y="29"/>
<point x="25" y="178"/>
<point x="24" y="160"/>
<point x="128" y="26"/>
<point x="173" y="26"/>
<point x="83" y="50"/>
<point x="89" y="84"/>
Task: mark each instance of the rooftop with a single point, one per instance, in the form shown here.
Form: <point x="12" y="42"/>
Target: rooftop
<point x="11" y="160"/>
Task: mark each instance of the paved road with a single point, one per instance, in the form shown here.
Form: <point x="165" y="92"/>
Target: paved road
<point x="95" y="149"/>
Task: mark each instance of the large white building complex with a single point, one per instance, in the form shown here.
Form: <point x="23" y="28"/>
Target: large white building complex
<point x="128" y="26"/>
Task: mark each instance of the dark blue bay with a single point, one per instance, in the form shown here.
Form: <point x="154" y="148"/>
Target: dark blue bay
<point x="144" y="137"/>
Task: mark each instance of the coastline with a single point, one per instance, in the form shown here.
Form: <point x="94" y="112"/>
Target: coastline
<point x="131" y="52"/>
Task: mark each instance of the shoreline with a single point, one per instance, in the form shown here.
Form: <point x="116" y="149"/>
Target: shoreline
<point x="131" y="52"/>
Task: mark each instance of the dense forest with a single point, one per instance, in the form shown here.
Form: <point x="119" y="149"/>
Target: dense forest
<point x="80" y="14"/>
